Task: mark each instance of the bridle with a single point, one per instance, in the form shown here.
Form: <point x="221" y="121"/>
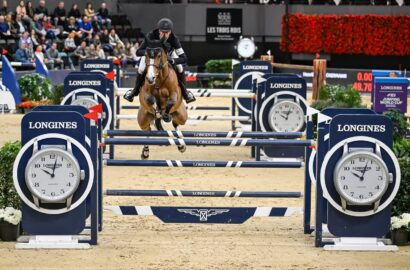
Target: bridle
<point x="152" y="52"/>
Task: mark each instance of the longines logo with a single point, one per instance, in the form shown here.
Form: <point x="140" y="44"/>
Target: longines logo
<point x="224" y="18"/>
<point x="52" y="125"/>
<point x="260" y="67"/>
<point x="286" y="85"/>
<point x="84" y="83"/>
<point x="361" y="128"/>
<point x="203" y="214"/>
<point x="97" y="66"/>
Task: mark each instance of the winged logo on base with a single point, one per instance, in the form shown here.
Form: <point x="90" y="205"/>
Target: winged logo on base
<point x="203" y="214"/>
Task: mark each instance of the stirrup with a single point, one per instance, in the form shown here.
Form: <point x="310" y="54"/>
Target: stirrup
<point x="129" y="95"/>
<point x="189" y="97"/>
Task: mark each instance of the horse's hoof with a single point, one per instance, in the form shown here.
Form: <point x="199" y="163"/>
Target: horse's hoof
<point x="182" y="148"/>
<point x="129" y="96"/>
<point x="166" y="117"/>
<point x="145" y="154"/>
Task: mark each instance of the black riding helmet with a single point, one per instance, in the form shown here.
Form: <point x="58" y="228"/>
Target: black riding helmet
<point x="165" y="25"/>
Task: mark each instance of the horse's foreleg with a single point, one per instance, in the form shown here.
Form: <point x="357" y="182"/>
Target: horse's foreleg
<point x="179" y="117"/>
<point x="144" y="121"/>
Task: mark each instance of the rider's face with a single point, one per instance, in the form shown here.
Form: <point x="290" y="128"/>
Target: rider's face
<point x="164" y="34"/>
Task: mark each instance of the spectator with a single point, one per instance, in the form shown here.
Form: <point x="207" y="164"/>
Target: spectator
<point x="95" y="24"/>
<point x="59" y="14"/>
<point x="30" y="52"/>
<point x="34" y="39"/>
<point x="114" y="39"/>
<point x="71" y="26"/>
<point x="96" y="40"/>
<point x="19" y="25"/>
<point x="4" y="28"/>
<point x="93" y="53"/>
<point x="105" y="41"/>
<point x="30" y="9"/>
<point x="89" y="10"/>
<point x="21" y="54"/>
<point x="103" y="15"/>
<point x="133" y="54"/>
<point x="37" y="25"/>
<point x="21" y="10"/>
<point x="5" y="8"/>
<point x="75" y="12"/>
<point x="82" y="52"/>
<point x="41" y="10"/>
<point x="69" y="43"/>
<point x="86" y="29"/>
<point x="40" y="55"/>
<point x="51" y="31"/>
<point x="53" y="57"/>
<point x="25" y="39"/>
<point x="100" y="51"/>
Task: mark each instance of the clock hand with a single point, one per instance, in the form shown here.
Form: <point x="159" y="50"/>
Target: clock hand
<point x="47" y="172"/>
<point x="358" y="176"/>
<point x="54" y="167"/>
<point x="364" y="171"/>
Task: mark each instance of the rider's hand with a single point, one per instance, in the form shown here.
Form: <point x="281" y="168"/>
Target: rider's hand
<point x="170" y="59"/>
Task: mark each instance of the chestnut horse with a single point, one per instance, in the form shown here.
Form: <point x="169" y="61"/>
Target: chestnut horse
<point x="160" y="96"/>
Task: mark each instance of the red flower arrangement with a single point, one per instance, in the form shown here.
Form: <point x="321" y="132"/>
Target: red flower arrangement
<point x="347" y="34"/>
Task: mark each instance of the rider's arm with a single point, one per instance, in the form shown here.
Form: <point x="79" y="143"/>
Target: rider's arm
<point x="182" y="59"/>
<point x="141" y="49"/>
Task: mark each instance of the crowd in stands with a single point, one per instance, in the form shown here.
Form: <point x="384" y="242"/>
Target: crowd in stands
<point x="62" y="39"/>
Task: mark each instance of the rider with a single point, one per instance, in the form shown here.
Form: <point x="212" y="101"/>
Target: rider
<point x="176" y="56"/>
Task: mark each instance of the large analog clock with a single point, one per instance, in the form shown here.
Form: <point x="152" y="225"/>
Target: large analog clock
<point x="246" y="48"/>
<point x="52" y="176"/>
<point x="87" y="102"/>
<point x="286" y="116"/>
<point x="361" y="178"/>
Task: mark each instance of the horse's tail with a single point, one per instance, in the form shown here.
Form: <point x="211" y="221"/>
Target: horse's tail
<point x="158" y="124"/>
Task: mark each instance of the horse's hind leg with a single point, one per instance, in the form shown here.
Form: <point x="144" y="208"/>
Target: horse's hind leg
<point x="144" y="121"/>
<point x="181" y="148"/>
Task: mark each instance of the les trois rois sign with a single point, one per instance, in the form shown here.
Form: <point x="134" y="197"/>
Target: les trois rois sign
<point x="223" y="25"/>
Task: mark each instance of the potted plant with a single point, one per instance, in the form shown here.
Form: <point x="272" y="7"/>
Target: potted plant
<point x="35" y="91"/>
<point x="10" y="214"/>
<point x="400" y="226"/>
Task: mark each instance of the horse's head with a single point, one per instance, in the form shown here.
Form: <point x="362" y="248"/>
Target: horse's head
<point x="155" y="59"/>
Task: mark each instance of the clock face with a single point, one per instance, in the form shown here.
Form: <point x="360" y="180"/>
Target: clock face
<point x="286" y="116"/>
<point x="246" y="48"/>
<point x="85" y="102"/>
<point x="52" y="175"/>
<point x="361" y="178"/>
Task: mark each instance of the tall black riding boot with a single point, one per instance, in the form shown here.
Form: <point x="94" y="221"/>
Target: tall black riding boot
<point x="188" y="96"/>
<point x="130" y="94"/>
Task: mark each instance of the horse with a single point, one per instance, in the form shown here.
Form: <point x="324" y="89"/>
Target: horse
<point x="160" y="96"/>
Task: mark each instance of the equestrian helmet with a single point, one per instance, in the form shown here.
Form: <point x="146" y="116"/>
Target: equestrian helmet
<point x="165" y="25"/>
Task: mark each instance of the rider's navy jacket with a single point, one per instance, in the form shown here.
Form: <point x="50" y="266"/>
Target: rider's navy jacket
<point x="173" y="42"/>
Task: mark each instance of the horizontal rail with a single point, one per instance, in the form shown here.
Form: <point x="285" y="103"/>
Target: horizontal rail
<point x="189" y="108"/>
<point x="205" y="163"/>
<point x="197" y="117"/>
<point x="240" y="93"/>
<point x="202" y="193"/>
<point x="207" y="142"/>
<point x="197" y="75"/>
<point x="213" y="134"/>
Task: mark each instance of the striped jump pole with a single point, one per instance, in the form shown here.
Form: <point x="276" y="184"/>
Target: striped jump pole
<point x="189" y="108"/>
<point x="201" y="75"/>
<point x="229" y="93"/>
<point x="213" y="134"/>
<point x="204" y="163"/>
<point x="202" y="193"/>
<point x="207" y="142"/>
<point x="196" y="117"/>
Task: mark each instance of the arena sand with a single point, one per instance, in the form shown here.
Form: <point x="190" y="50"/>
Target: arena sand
<point x="146" y="243"/>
